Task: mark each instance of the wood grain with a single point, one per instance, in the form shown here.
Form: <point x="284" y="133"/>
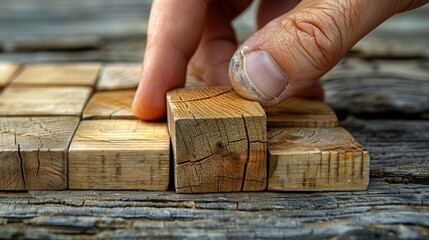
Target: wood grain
<point x="385" y="211"/>
<point x="382" y="87"/>
<point x="119" y="76"/>
<point x="110" y="105"/>
<point x="34" y="152"/>
<point x="299" y="112"/>
<point x="70" y="74"/>
<point x="218" y="139"/>
<point x="42" y="101"/>
<point x="120" y="154"/>
<point x="316" y="159"/>
<point x="7" y="71"/>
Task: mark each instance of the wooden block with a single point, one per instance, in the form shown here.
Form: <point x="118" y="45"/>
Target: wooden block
<point x="316" y="159"/>
<point x="43" y="101"/>
<point x="7" y="71"/>
<point x="119" y="76"/>
<point x="34" y="152"/>
<point x="120" y="154"/>
<point x="123" y="76"/>
<point x="192" y="81"/>
<point x="298" y="112"/>
<point x="218" y="139"/>
<point x="110" y="105"/>
<point x="71" y="74"/>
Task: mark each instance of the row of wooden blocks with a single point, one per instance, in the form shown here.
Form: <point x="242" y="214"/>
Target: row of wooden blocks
<point x="70" y="126"/>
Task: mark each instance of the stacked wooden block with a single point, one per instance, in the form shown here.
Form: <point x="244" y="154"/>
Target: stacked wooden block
<point x="70" y="126"/>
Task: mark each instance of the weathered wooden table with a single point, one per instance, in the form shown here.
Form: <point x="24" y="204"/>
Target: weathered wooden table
<point x="386" y="111"/>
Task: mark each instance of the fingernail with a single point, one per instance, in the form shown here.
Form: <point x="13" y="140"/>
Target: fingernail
<point x="264" y="74"/>
<point x="255" y="75"/>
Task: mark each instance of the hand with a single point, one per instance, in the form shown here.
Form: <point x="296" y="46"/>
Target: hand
<point x="297" y="42"/>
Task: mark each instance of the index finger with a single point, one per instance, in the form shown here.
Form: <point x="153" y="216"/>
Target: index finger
<point x="174" y="32"/>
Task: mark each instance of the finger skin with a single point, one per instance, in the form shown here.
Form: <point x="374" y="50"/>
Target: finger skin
<point x="309" y="40"/>
<point x="175" y="29"/>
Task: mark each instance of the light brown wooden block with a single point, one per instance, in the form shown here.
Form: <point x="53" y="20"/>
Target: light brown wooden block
<point x="110" y="105"/>
<point x="43" y="101"/>
<point x="119" y="76"/>
<point x="316" y="159"/>
<point x="192" y="81"/>
<point x="123" y="76"/>
<point x="33" y="152"/>
<point x="70" y="74"/>
<point x="298" y="112"/>
<point x="7" y="71"/>
<point x="218" y="139"/>
<point x="120" y="154"/>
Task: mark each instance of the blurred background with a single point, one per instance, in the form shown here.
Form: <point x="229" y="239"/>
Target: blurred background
<point x="112" y="31"/>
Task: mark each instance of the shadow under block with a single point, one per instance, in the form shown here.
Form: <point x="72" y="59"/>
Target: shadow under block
<point x="7" y="71"/>
<point x="70" y="74"/>
<point x="120" y="154"/>
<point x="316" y="159"/>
<point x="43" y="101"/>
<point x="110" y="105"/>
<point x="33" y="152"/>
<point x="119" y="76"/>
<point x="299" y="112"/>
<point x="218" y="140"/>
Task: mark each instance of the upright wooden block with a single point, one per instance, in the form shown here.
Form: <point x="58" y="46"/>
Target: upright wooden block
<point x="43" y="101"/>
<point x="316" y="159"/>
<point x="110" y="105"/>
<point x="7" y="71"/>
<point x="218" y="139"/>
<point x="33" y="152"/>
<point x="120" y="154"/>
<point x="70" y="74"/>
<point x="119" y="76"/>
<point x="299" y="112"/>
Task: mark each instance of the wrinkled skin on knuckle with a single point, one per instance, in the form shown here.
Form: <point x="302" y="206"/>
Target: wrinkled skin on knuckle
<point x="312" y="40"/>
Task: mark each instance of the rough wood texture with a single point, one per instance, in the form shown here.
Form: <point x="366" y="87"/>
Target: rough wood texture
<point x="110" y="105"/>
<point x="378" y="87"/>
<point x="71" y="74"/>
<point x="34" y="152"/>
<point x="385" y="211"/>
<point x="119" y="76"/>
<point x="298" y="112"/>
<point x="7" y="71"/>
<point x="120" y="154"/>
<point x="316" y="159"/>
<point x="43" y="101"/>
<point x="218" y="139"/>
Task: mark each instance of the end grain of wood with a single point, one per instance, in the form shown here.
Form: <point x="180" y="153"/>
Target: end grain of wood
<point x="110" y="105"/>
<point x="34" y="152"/>
<point x="218" y="139"/>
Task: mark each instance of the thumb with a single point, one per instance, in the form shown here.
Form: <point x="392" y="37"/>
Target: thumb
<point x="294" y="50"/>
